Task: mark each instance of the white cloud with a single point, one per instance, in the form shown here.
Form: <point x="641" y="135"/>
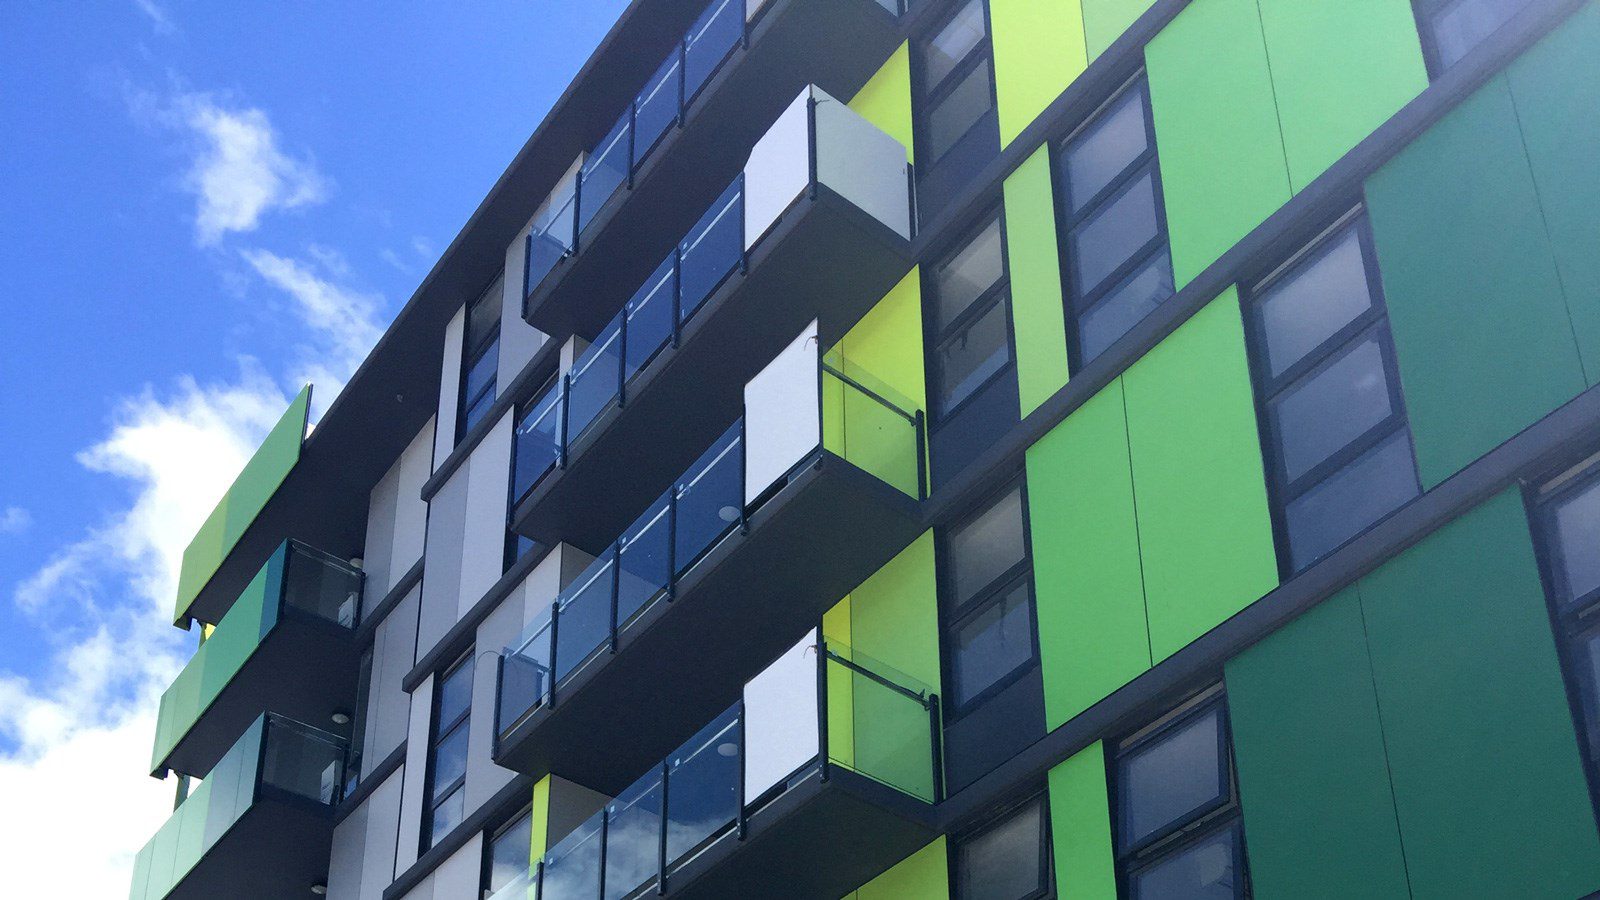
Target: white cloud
<point x="157" y="15"/>
<point x="15" y="520"/>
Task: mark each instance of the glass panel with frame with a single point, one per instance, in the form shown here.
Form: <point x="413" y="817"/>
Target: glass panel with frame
<point x="1335" y="435"/>
<point x="537" y="439"/>
<point x="1454" y="27"/>
<point x="480" y="358"/>
<point x="447" y="754"/>
<point x="1007" y="858"/>
<point x="1177" y="814"/>
<point x="1568" y="529"/>
<point x="987" y="598"/>
<point x="959" y="131"/>
<point x="969" y="305"/>
<point x="507" y="854"/>
<point x="1114" y="242"/>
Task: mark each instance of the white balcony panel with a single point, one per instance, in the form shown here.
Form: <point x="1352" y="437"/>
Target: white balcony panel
<point x="780" y="727"/>
<point x="783" y="421"/>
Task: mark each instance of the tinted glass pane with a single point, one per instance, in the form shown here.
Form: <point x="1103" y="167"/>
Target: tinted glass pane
<point x="644" y="560"/>
<point x="993" y="643"/>
<point x="656" y="109"/>
<point x="594" y="380"/>
<point x="483" y="317"/>
<point x="650" y="318"/>
<point x="966" y="360"/>
<point x="953" y="42"/>
<point x="450" y="757"/>
<point x="1003" y="863"/>
<point x="447" y="815"/>
<point x="633" y="837"/>
<point x="1112" y="143"/>
<point x="1337" y="509"/>
<point x="481" y="372"/>
<point x="1125" y="306"/>
<point x="537" y="443"/>
<point x="1461" y="26"/>
<point x="605" y="170"/>
<point x="1321" y="414"/>
<point x="1114" y="234"/>
<point x="1577" y="543"/>
<point x="508" y="855"/>
<point x="1169" y="779"/>
<point x="585" y="622"/>
<point x="712" y="250"/>
<point x="1310" y="303"/>
<point x="957" y="113"/>
<point x="709" y="499"/>
<point x="985" y="548"/>
<point x="1204" y="871"/>
<point x="714" y="35"/>
<point x="455" y="693"/>
<point x="572" y="867"/>
<point x="703" y="786"/>
<point x="968" y="273"/>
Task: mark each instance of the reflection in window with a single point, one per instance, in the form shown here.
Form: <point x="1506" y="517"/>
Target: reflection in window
<point x="1568" y="525"/>
<point x="970" y="305"/>
<point x="958" y="131"/>
<point x="987" y="600"/>
<point x="509" y="850"/>
<point x="1006" y="859"/>
<point x="447" y="754"/>
<point x="480" y="359"/>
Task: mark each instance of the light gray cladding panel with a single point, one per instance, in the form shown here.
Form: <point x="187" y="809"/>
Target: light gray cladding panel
<point x="388" y="704"/>
<point x="441" y="573"/>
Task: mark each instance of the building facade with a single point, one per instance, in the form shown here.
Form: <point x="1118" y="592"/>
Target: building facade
<point x="950" y="449"/>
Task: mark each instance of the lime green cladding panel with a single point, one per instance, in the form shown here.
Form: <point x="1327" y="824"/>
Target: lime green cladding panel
<point x="924" y="875"/>
<point x="1105" y="20"/>
<point x="882" y="352"/>
<point x="885" y="100"/>
<point x="1313" y="778"/>
<point x="1038" y="51"/>
<point x="1089" y="592"/>
<point x="1223" y="169"/>
<point x="242" y="502"/>
<point x="1205" y="532"/>
<point x="1080" y="827"/>
<point x="1340" y="68"/>
<point x="1471" y="284"/>
<point x="1488" y="781"/>
<point x="1037" y="313"/>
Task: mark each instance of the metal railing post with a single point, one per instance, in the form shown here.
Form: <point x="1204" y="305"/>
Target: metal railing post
<point x="937" y="747"/>
<point x="566" y="392"/>
<point x="921" y="428"/>
<point x="743" y="819"/>
<point x="661" y="845"/>
<point x="605" y="828"/>
<point x="622" y="359"/>
<point x="616" y="588"/>
<point x="555" y="635"/>
<point x="822" y="705"/>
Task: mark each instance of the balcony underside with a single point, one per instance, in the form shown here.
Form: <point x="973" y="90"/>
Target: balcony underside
<point x="681" y="663"/>
<point x="278" y="848"/>
<point x="825" y="260"/>
<point x="817" y="841"/>
<point x="634" y="230"/>
<point x="304" y="669"/>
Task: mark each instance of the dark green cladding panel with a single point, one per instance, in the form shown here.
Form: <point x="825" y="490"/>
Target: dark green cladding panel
<point x="1222" y="164"/>
<point x="1090" y="595"/>
<point x="1340" y="68"/>
<point x="1036" y="306"/>
<point x="1080" y="827"/>
<point x="1481" y="330"/>
<point x="1205" y="533"/>
<point x="1318" y="813"/>
<point x="1105" y="20"/>
<point x="1556" y="89"/>
<point x="244" y="500"/>
<point x="1491" y="795"/>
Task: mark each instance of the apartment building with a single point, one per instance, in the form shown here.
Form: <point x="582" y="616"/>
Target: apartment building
<point x="950" y="449"/>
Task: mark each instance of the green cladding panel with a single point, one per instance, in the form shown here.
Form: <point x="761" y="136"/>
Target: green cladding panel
<point x="924" y="875"/>
<point x="885" y="100"/>
<point x="243" y="501"/>
<point x="1080" y="827"/>
<point x="1340" y="68"/>
<point x="1313" y="779"/>
<point x="1037" y="312"/>
<point x="1105" y="20"/>
<point x="1038" y="51"/>
<point x="1093" y="636"/>
<point x="1223" y="169"/>
<point x="1205" y="533"/>
<point x="1471" y="284"/>
<point x="1488" y="783"/>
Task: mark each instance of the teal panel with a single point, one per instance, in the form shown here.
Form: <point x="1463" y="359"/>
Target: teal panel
<point x="1556" y="89"/>
<point x="1105" y="20"/>
<point x="1037" y="312"/>
<point x="1313" y="780"/>
<point x="1490" y="791"/>
<point x="1205" y="533"/>
<point x="1080" y="827"/>
<point x="1089" y="593"/>
<point x="1340" y="68"/>
<point x="1471" y="286"/>
<point x="1223" y="169"/>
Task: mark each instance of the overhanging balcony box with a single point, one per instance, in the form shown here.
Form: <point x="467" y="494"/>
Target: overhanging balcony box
<point x="822" y="774"/>
<point x="259" y="825"/>
<point x="815" y="488"/>
<point x="675" y="146"/>
<point x="816" y="228"/>
<point x="287" y="644"/>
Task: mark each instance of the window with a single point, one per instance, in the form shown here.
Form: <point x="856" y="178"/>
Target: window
<point x="988" y="601"/>
<point x="958" y="130"/>
<point x="1178" y="830"/>
<point x="1569" y="535"/>
<point x="1113" y="235"/>
<point x="480" y="359"/>
<point x="1337" y="444"/>
<point x="1452" y="28"/>
<point x="1006" y="859"/>
<point x="447" y="752"/>
<point x="508" y="853"/>
<point x="970" y="310"/>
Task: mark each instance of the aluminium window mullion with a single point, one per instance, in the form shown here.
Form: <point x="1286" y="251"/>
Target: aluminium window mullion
<point x="1118" y="278"/>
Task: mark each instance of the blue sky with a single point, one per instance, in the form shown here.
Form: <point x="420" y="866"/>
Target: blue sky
<point x="201" y="206"/>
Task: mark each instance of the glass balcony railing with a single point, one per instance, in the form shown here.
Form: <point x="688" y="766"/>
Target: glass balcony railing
<point x="276" y="760"/>
<point x="828" y="710"/>
<point x="297" y="583"/>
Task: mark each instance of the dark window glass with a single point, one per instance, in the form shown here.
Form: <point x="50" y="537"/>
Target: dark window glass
<point x="987" y="600"/>
<point x="1322" y="413"/>
<point x="1102" y="154"/>
<point x="968" y="274"/>
<point x="1120" y="230"/>
<point x="446" y="815"/>
<point x="988" y="546"/>
<point x="958" y="131"/>
<point x="1569" y="535"/>
<point x="455" y="694"/>
<point x="1125" y="306"/>
<point x="1461" y="25"/>
<point x="480" y="359"/>
<point x="968" y="302"/>
<point x="1169" y="780"/>
<point x="509" y="850"/>
<point x="972" y="356"/>
<point x="992" y="643"/>
<point x="1327" y="293"/>
<point x="1587" y="663"/>
<point x="969" y="100"/>
<point x="1206" y="870"/>
<point x="447" y="756"/>
<point x="964" y="32"/>
<point x="1342" y="506"/>
<point x="1006" y="860"/>
<point x="1577" y="545"/>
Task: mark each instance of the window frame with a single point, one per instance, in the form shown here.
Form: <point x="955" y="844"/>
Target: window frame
<point x="937" y="337"/>
<point x="435" y="794"/>
<point x="925" y="98"/>
<point x="1426" y="14"/>
<point x="491" y="837"/>
<point x="472" y="355"/>
<point x="995" y="819"/>
<point x="1373" y="322"/>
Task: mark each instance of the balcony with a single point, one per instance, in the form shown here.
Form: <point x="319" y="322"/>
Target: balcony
<point x="815" y="488"/>
<point x="259" y="825"/>
<point x="680" y="140"/>
<point x="815" y="228"/>
<point x="820" y="776"/>
<point x="286" y="644"/>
